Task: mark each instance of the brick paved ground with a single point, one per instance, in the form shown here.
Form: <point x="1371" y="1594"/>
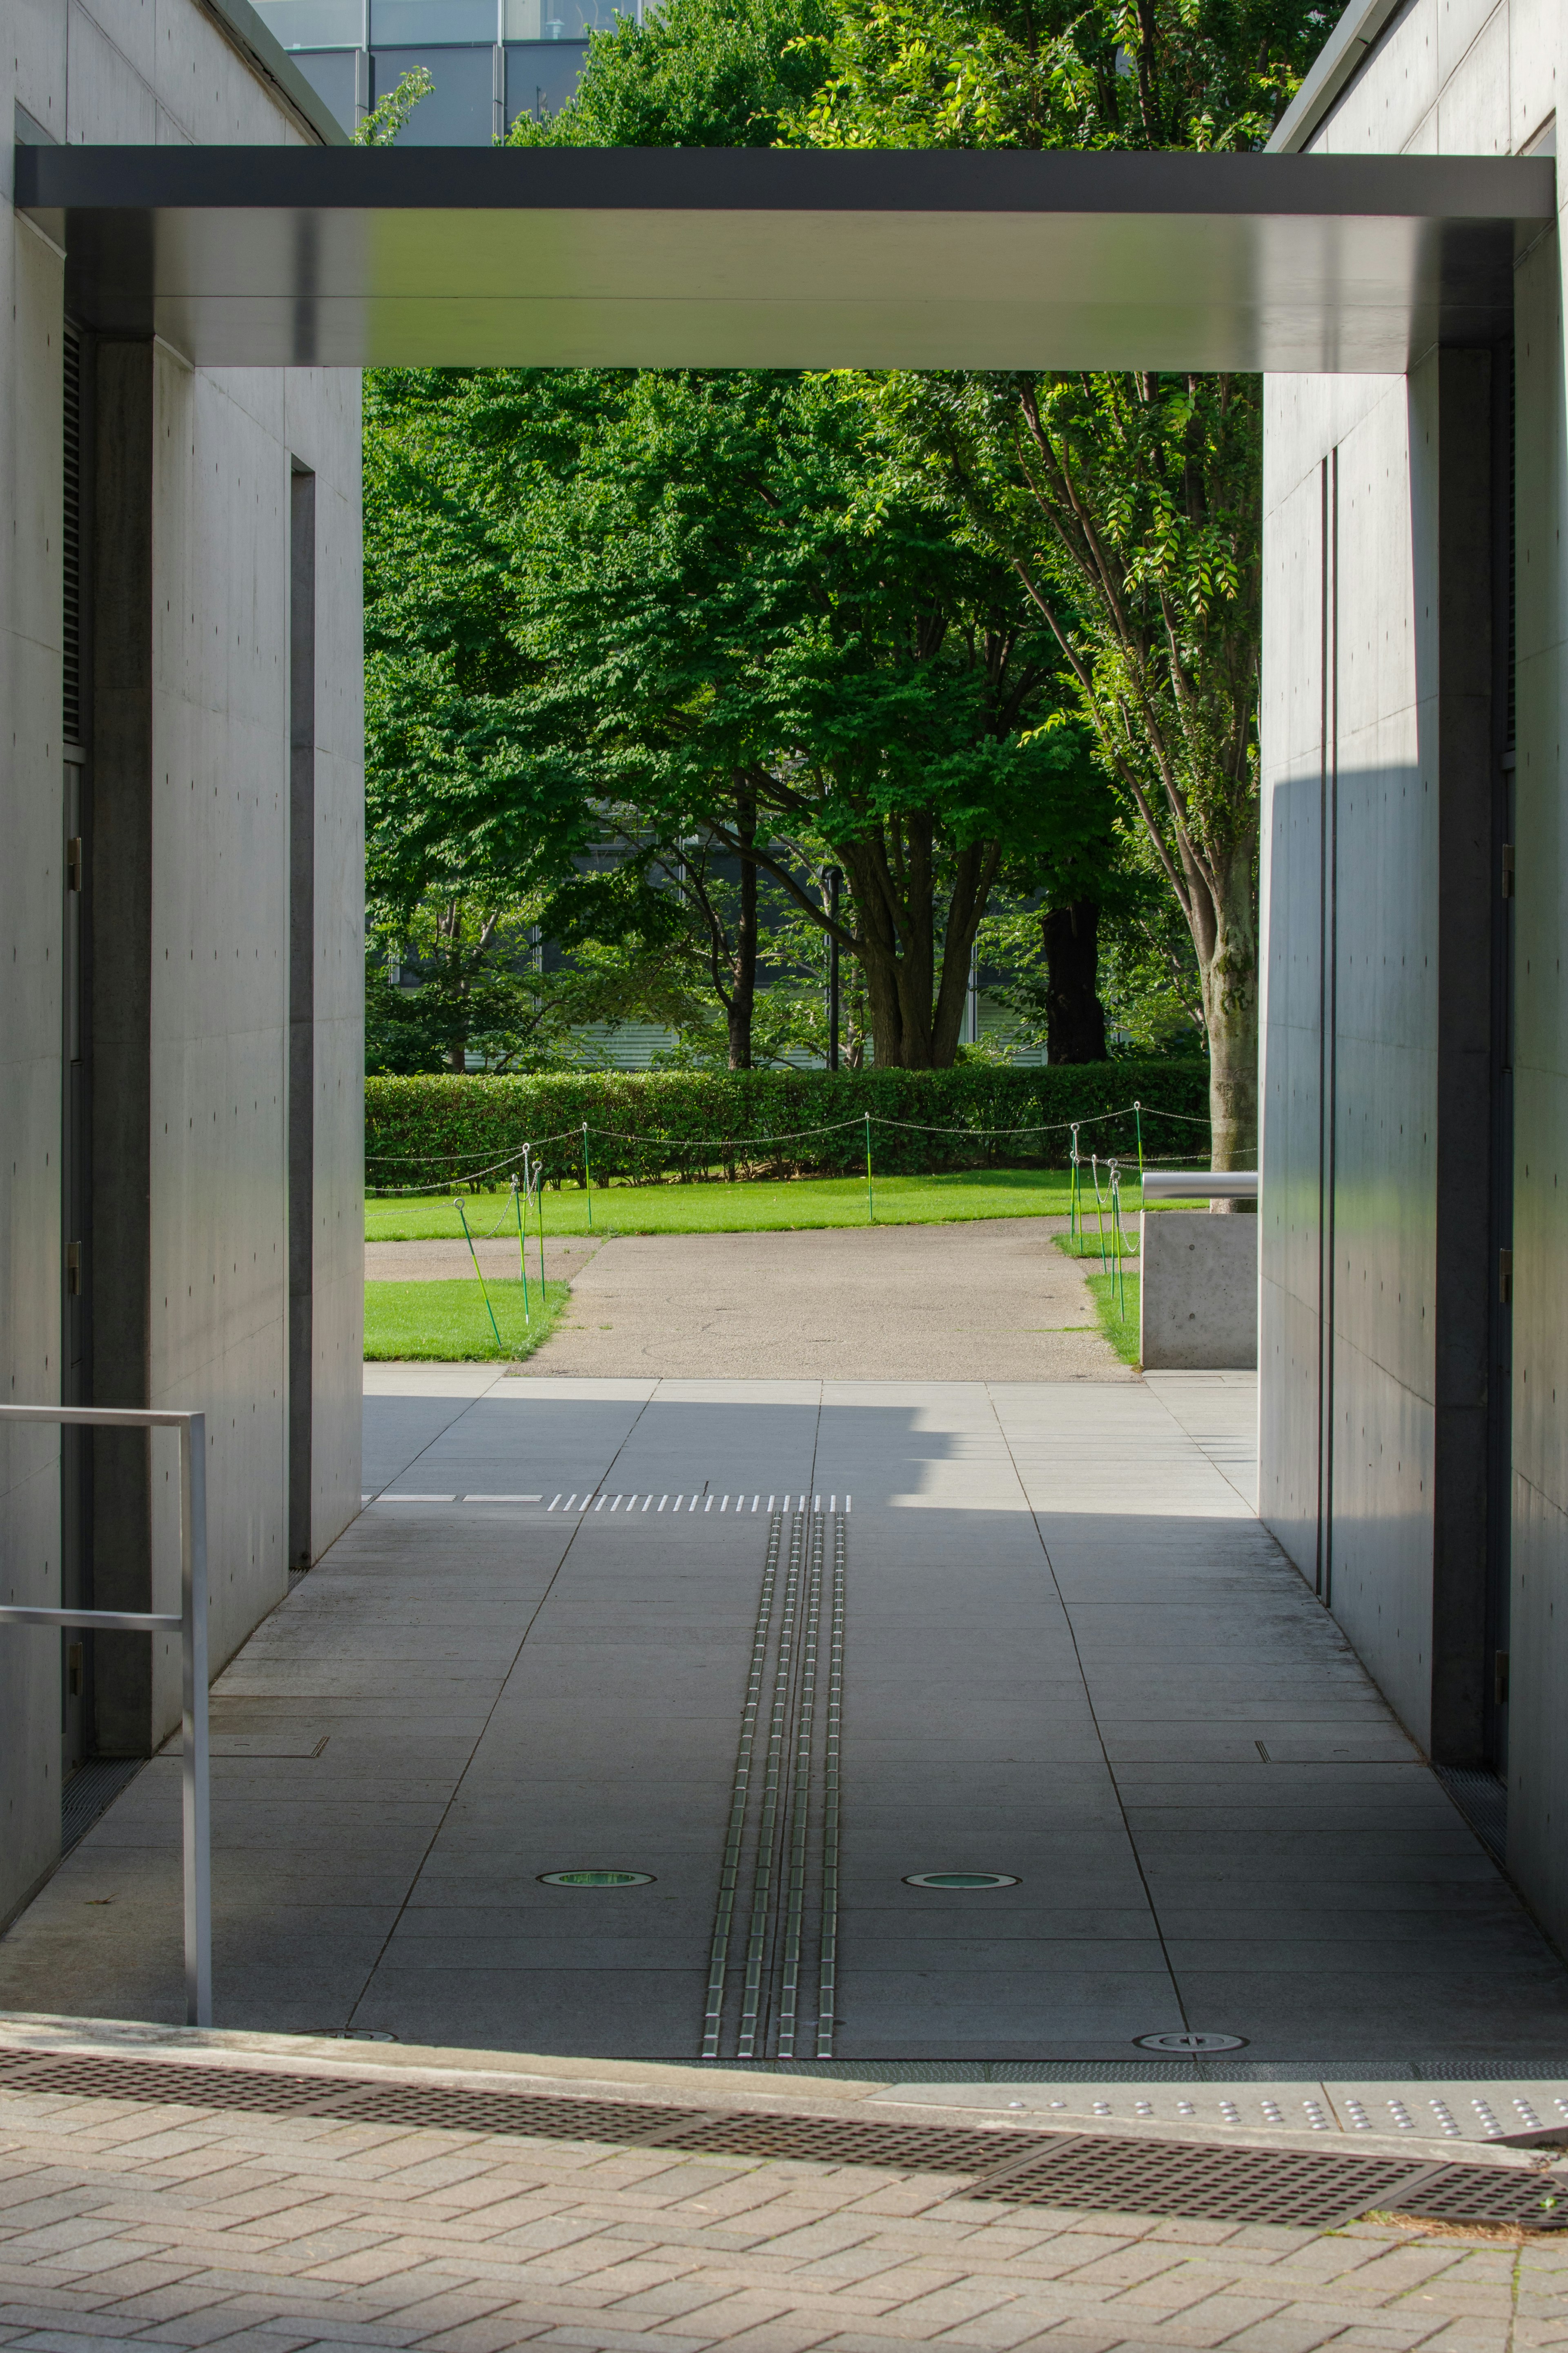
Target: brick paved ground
<point x="143" y="2224"/>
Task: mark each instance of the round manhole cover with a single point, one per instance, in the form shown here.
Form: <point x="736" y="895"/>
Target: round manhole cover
<point x="596" y="1878"/>
<point x="963" y="1880"/>
<point x="1190" y="2042"/>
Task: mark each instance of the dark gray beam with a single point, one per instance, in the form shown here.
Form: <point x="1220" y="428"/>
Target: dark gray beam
<point x="267" y="256"/>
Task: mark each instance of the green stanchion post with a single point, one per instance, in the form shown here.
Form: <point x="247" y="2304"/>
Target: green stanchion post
<point x="870" y="1195"/>
<point x="484" y="1295"/>
<point x="1116" y="1238"/>
<point x="539" y="1204"/>
<point x="1072" y="1195"/>
<point x="1138" y="1123"/>
<point x="1098" y="1209"/>
<point x="587" y="1174"/>
<point x="521" y="1247"/>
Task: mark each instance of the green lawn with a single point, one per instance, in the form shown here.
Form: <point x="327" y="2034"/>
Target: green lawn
<point x="1115" y="1295"/>
<point x="447" y="1320"/>
<point x="1090" y="1242"/>
<point x="1120" y="1328"/>
<point x="760" y="1208"/>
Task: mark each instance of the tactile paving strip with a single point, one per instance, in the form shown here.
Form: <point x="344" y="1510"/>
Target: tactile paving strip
<point x="1314" y="2188"/>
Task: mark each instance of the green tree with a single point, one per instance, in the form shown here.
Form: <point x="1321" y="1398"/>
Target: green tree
<point x="750" y="636"/>
<point x="1127" y="505"/>
<point x="694" y="73"/>
<point x="462" y="973"/>
<point x="466" y="798"/>
<point x="381" y="126"/>
<point x="1129" y="508"/>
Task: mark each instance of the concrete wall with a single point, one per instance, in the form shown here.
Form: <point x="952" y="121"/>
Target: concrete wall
<point x="1355" y="1210"/>
<point x="186" y="913"/>
<point x="1386" y="932"/>
<point x="31" y="1032"/>
<point x="1197" y="1292"/>
<point x="1538" y="1758"/>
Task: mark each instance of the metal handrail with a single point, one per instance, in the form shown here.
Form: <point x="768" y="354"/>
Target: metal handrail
<point x="1185" y="1184"/>
<point x="191" y="1625"/>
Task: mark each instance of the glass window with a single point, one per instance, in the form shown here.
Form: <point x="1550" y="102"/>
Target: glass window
<point x="331" y="74"/>
<point x="314" y="24"/>
<point x="541" y="76"/>
<point x="561" y="20"/>
<point x="459" y="111"/>
<point x="408" y="24"/>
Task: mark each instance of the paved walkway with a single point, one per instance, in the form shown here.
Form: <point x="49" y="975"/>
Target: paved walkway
<point x="182" y="2225"/>
<point x="991" y="1300"/>
<point x="1071" y="1661"/>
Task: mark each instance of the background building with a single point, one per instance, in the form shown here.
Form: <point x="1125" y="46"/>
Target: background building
<point x="180" y="1057"/>
<point x="492" y="60"/>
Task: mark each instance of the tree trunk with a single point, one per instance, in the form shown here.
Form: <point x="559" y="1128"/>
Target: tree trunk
<point x="894" y="946"/>
<point x="1226" y="942"/>
<point x="974" y="872"/>
<point x="1075" y="1018"/>
<point x="743" y="994"/>
<point x="915" y="1024"/>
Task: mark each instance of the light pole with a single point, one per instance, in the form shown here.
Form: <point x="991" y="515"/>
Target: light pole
<point x="834" y="879"/>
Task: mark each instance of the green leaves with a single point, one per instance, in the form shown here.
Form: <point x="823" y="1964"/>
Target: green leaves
<point x="694" y="73"/>
<point x="1207" y="74"/>
<point x="727" y="582"/>
<point x="1128" y="506"/>
<point x="467" y="789"/>
<point x="381" y="126"/>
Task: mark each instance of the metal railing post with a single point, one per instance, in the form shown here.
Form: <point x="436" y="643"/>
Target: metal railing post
<point x="1194" y="1183"/>
<point x="191" y="1626"/>
<point x="197" y="1803"/>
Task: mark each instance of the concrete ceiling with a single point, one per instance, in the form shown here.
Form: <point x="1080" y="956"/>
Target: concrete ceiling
<point x="655" y="258"/>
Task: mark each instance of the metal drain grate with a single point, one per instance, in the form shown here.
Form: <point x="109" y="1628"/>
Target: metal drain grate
<point x="1478" y="2194"/>
<point x="1207" y="2184"/>
<point x="1482" y="1799"/>
<point x="430" y="2107"/>
<point x="434" y="2106"/>
<point x="90" y="1791"/>
<point x="1311" y="2188"/>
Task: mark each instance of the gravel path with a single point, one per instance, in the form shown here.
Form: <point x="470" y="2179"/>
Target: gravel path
<point x="990" y="1301"/>
<point x="993" y="1299"/>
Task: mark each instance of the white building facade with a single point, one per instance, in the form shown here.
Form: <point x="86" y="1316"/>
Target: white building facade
<point x="181" y="1046"/>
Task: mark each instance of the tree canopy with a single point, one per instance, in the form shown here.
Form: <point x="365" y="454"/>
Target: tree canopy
<point x="694" y="73"/>
<point x="701" y="607"/>
<point x="1128" y="505"/>
<point x="921" y="627"/>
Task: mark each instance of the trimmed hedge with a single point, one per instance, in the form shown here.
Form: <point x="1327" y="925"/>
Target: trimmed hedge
<point x="436" y="1131"/>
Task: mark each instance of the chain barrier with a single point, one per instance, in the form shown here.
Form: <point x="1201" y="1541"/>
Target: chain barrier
<point x="1137" y="1112"/>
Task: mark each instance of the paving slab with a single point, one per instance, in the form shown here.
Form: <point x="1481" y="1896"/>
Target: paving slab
<point x="1073" y="1666"/>
<point x="151" y="2222"/>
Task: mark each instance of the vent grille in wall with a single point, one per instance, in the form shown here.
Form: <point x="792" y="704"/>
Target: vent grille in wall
<point x="71" y="713"/>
